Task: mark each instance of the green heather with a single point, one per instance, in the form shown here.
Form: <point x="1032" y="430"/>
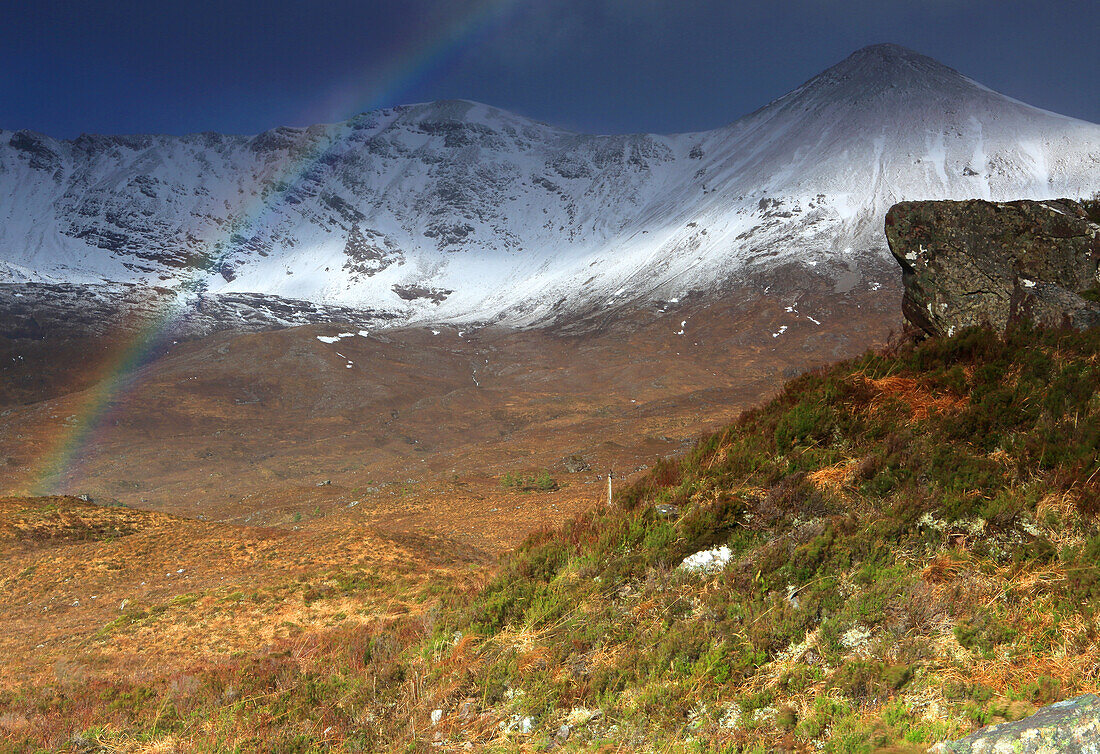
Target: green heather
<point x="914" y="550"/>
<point x="540" y="481"/>
<point x="914" y="554"/>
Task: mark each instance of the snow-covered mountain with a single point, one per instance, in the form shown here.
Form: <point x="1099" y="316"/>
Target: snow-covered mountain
<point x="457" y="210"/>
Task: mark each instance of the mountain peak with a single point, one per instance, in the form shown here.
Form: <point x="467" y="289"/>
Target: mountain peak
<point x="893" y="63"/>
<point x="469" y="113"/>
<point x="887" y="51"/>
<point x="889" y="78"/>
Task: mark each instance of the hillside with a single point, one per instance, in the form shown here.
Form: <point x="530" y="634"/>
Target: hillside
<point x="458" y="211"/>
<point x="912" y="542"/>
<point x="912" y="547"/>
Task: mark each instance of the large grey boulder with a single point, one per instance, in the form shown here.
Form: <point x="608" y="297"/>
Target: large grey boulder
<point x="1069" y="727"/>
<point x="994" y="263"/>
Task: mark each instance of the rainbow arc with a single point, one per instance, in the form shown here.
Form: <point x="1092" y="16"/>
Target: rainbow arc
<point x="417" y="62"/>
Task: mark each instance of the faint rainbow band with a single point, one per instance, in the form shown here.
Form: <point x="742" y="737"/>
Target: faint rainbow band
<point x="416" y="64"/>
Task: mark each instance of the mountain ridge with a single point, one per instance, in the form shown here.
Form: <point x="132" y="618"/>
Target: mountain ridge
<point x="458" y="211"/>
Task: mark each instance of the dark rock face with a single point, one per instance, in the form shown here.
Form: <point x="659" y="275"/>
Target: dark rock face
<point x="413" y="292"/>
<point x="1069" y="727"/>
<point x="985" y="263"/>
<point x="369" y="252"/>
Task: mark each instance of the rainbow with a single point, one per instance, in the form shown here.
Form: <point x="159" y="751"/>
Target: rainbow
<point x="417" y="62"/>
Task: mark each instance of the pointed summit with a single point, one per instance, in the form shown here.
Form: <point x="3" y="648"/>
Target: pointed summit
<point x="887" y="51"/>
<point x="890" y="90"/>
<point x="889" y="123"/>
<point x="889" y="67"/>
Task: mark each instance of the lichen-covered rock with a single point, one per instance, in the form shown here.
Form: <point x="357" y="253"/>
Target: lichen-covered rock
<point x="990" y="263"/>
<point x="1069" y="727"/>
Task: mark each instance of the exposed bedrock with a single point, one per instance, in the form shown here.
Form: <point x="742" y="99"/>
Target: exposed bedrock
<point x="1067" y="727"/>
<point x="994" y="263"/>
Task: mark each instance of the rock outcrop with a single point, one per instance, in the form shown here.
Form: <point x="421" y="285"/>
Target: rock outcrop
<point x="991" y="263"/>
<point x="1069" y="727"/>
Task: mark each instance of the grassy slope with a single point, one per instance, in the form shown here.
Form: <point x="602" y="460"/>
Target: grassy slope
<point x="272" y="641"/>
<point x="915" y="551"/>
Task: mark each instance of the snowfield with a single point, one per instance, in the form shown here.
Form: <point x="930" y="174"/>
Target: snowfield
<point x="457" y="211"/>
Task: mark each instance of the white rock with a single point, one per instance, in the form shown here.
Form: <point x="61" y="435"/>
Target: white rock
<point x="707" y="561"/>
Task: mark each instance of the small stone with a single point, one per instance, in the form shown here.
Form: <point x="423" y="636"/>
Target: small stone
<point x="707" y="561"/>
<point x="563" y="733"/>
<point x="437" y="715"/>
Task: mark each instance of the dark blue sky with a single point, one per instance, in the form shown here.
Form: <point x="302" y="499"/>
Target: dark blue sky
<point x="594" y="65"/>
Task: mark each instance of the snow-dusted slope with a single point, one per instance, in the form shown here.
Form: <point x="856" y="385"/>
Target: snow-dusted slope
<point x="456" y="210"/>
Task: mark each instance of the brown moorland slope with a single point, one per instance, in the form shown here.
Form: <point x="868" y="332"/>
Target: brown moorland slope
<point x="243" y="428"/>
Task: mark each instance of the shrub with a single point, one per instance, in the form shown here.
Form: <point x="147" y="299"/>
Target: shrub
<point x="540" y="481"/>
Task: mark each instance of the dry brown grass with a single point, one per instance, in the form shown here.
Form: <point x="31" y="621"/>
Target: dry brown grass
<point x="919" y="399"/>
<point x="1078" y="672"/>
<point x="834" y="478"/>
<point x="944" y="568"/>
<point x="1063" y="504"/>
<point x="1034" y="581"/>
<point x="167" y="745"/>
<point x="171" y="592"/>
